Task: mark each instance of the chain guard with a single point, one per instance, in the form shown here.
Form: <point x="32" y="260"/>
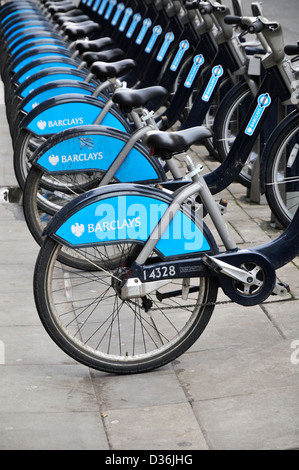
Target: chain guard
<point x="248" y="294"/>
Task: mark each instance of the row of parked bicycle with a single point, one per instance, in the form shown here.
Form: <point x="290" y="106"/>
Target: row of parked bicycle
<point x="102" y="100"/>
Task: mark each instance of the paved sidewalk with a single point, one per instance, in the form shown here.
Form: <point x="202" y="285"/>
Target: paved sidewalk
<point x="236" y="388"/>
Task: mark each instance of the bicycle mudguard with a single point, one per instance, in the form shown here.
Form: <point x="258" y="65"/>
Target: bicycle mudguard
<point x="49" y="75"/>
<point x="67" y="111"/>
<point x="95" y="148"/>
<point x="121" y="213"/>
<point x="18" y="31"/>
<point x="38" y="65"/>
<point x="40" y="54"/>
<point x="22" y="24"/>
<point x="14" y="12"/>
<point x="31" y="38"/>
<point x="50" y="90"/>
<point x="13" y="38"/>
<point x="36" y="46"/>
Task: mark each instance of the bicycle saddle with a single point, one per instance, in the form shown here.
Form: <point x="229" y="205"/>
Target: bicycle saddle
<point x="167" y="143"/>
<point x="129" y="98"/>
<point x="104" y="70"/>
<point x="104" y="56"/>
<point x="72" y="19"/>
<point x="59" y="8"/>
<point x="95" y="45"/>
<point x="70" y="13"/>
<point x="75" y="31"/>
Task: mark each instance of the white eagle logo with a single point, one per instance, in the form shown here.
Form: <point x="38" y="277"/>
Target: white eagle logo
<point x="78" y="230"/>
<point x="54" y="160"/>
<point x="42" y="125"/>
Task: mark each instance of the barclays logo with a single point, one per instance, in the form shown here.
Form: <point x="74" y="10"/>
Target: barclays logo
<point x="80" y="158"/>
<point x="78" y="230"/>
<point x="54" y="160"/>
<point x="60" y="123"/>
<point x="42" y="125"/>
<point x="112" y="226"/>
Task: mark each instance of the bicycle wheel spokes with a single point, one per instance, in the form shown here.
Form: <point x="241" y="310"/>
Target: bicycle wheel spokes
<point x="87" y="311"/>
<point x="285" y="176"/>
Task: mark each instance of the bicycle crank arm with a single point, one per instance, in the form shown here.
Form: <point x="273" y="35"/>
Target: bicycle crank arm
<point x="246" y="277"/>
<point x="218" y="266"/>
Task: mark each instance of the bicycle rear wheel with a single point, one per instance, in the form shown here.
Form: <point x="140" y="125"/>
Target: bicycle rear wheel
<point x="85" y="316"/>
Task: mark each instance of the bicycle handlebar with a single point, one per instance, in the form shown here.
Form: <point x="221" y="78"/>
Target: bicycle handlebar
<point x="255" y="27"/>
<point x="269" y="34"/>
<point x="233" y="20"/>
<point x="251" y="25"/>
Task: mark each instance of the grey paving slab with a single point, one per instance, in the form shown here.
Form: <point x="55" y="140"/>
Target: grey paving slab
<point x="17" y="305"/>
<point x="231" y="325"/>
<point x="285" y="316"/>
<point x="172" y="427"/>
<point x="30" y="345"/>
<point x="52" y="431"/>
<point x="162" y="388"/>
<point x="264" y="420"/>
<point x="228" y="371"/>
<point x="50" y="387"/>
<point x="16" y="280"/>
<point x="23" y="253"/>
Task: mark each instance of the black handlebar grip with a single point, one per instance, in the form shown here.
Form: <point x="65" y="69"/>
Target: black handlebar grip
<point x="191" y="4"/>
<point x="291" y="49"/>
<point x="230" y="19"/>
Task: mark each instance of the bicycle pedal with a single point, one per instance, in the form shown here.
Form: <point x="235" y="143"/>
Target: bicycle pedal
<point x="281" y="288"/>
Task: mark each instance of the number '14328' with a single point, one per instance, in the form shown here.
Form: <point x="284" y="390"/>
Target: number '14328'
<point x="159" y="272"/>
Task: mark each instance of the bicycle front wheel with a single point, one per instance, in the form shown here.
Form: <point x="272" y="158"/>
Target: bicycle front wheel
<point x="83" y="313"/>
<point x="282" y="172"/>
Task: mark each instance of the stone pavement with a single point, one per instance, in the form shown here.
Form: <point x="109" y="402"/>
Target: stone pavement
<point x="236" y="388"/>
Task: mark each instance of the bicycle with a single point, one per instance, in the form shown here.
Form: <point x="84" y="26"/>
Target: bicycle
<point x="233" y="109"/>
<point x="155" y="270"/>
<point x="279" y="162"/>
